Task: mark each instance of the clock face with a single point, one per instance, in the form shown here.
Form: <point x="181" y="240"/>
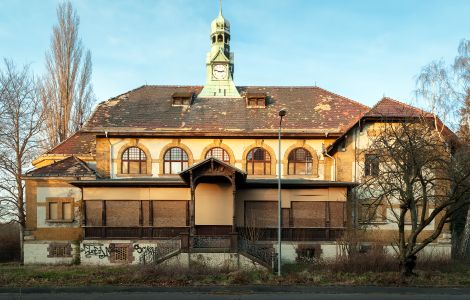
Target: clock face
<point x="219" y="71"/>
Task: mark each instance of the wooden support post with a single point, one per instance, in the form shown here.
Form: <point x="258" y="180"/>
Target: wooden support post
<point x="328" y="220"/>
<point x="234" y="204"/>
<point x="141" y="219"/>
<point x="192" y="206"/>
<point x="103" y="218"/>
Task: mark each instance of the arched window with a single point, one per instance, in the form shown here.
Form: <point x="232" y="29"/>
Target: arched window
<point x="213" y="39"/>
<point x="218" y="153"/>
<point x="300" y="162"/>
<point x="258" y="162"/>
<point x="220" y="38"/>
<point x="133" y="161"/>
<point x="175" y="160"/>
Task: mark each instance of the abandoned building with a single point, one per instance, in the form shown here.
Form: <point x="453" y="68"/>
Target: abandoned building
<point x="166" y="172"/>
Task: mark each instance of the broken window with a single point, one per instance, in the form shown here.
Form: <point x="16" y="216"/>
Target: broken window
<point x="371" y="165"/>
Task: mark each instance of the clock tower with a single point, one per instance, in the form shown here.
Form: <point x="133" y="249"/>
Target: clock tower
<point x="219" y="62"/>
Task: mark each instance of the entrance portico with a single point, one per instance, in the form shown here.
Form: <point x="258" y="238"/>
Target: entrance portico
<point x="213" y="185"/>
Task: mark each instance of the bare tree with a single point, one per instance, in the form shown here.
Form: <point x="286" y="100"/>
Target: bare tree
<point x="66" y="90"/>
<point x="446" y="89"/>
<point x="420" y="180"/>
<point x="20" y="125"/>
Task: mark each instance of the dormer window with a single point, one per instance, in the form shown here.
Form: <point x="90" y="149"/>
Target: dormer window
<point x="256" y="100"/>
<point x="182" y="99"/>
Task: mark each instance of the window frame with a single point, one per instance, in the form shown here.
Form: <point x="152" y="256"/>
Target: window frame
<point x="266" y="162"/>
<point x="295" y="161"/>
<point x="129" y="160"/>
<point x="60" y="209"/>
<point x="171" y="161"/>
<point x="224" y="154"/>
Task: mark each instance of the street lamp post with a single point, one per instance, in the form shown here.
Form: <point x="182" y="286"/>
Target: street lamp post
<point x="282" y="113"/>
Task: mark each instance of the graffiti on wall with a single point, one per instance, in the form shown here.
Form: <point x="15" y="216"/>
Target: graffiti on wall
<point x="97" y="250"/>
<point x="148" y="254"/>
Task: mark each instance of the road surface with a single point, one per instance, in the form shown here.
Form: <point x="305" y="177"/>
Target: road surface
<point x="236" y="292"/>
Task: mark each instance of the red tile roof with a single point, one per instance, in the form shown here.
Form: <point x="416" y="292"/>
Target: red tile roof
<point x="71" y="166"/>
<point x="79" y="143"/>
<point x="391" y="108"/>
<point x="149" y="109"/>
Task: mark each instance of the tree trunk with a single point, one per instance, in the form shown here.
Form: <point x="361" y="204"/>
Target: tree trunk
<point x="464" y="247"/>
<point x="407" y="265"/>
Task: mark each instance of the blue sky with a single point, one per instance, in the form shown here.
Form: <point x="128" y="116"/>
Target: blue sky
<point x="359" y="49"/>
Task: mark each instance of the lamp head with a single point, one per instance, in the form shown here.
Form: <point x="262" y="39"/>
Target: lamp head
<point x="282" y="112"/>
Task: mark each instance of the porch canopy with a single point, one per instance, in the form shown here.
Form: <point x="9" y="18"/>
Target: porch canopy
<point x="212" y="167"/>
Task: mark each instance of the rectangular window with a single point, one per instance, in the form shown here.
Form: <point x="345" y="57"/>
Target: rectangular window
<point x="59" y="250"/>
<point x="59" y="209"/>
<point x="94" y="212"/>
<point x="419" y="213"/>
<point x="371" y="164"/>
<point x="169" y="213"/>
<point x="182" y="99"/>
<point x="337" y="214"/>
<point x="53" y="211"/>
<point x="309" y="213"/>
<point x="67" y="210"/>
<point x="256" y="100"/>
<point x="122" y="213"/>
<point x="261" y="214"/>
<point x="372" y="213"/>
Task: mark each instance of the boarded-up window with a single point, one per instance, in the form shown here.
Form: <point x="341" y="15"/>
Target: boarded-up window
<point x="67" y="210"/>
<point x="261" y="214"/>
<point x="337" y="214"/>
<point x="285" y="217"/>
<point x="309" y="214"/>
<point x="145" y="213"/>
<point x="53" y="211"/>
<point x="169" y="213"/>
<point x="59" y="209"/>
<point x="93" y="213"/>
<point x="122" y="213"/>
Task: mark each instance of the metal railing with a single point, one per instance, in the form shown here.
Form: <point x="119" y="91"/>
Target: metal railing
<point x="159" y="251"/>
<point x="263" y="254"/>
<point x="215" y="242"/>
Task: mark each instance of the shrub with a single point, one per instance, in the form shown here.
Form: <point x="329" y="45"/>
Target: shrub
<point x="9" y="242"/>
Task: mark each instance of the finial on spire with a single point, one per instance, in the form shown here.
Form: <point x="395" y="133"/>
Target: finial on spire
<point x="220" y="7"/>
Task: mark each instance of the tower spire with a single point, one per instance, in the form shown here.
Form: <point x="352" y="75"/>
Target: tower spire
<point x="220" y="7"/>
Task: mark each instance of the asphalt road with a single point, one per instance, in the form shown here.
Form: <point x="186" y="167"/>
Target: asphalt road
<point x="236" y="292"/>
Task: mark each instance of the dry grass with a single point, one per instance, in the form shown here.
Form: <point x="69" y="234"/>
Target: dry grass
<point x="366" y="269"/>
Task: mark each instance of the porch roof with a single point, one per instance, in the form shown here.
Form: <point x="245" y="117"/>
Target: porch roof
<point x="213" y="167"/>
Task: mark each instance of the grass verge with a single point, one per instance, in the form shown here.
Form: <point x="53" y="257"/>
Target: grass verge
<point x="14" y="275"/>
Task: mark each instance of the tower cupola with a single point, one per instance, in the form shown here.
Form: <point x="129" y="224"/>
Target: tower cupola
<point x="219" y="62"/>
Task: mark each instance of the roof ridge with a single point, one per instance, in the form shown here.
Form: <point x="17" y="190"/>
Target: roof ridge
<point x="400" y="102"/>
<point x="84" y="164"/>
